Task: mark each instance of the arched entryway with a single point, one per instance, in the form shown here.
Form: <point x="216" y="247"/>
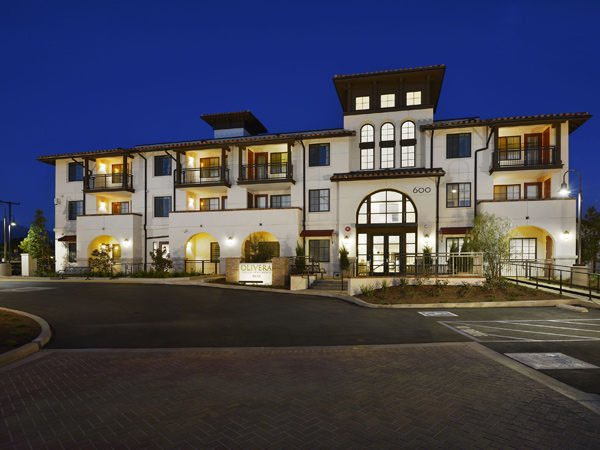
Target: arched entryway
<point x="531" y="243"/>
<point x="202" y="254"/>
<point x="260" y="246"/>
<point x="386" y="232"/>
<point x="106" y="244"/>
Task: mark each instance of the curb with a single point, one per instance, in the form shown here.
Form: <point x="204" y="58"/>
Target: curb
<point x="33" y="346"/>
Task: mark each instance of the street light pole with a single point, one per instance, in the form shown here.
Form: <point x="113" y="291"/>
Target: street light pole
<point x="564" y="190"/>
<point x="4" y="230"/>
<point x="10" y="223"/>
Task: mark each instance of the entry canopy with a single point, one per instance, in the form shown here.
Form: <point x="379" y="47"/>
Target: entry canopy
<point x="69" y="238"/>
<point x="316" y="233"/>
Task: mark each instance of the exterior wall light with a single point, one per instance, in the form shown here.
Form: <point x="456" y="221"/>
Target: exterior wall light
<point x="230" y="240"/>
<point x="426" y="239"/>
<point x="346" y="238"/>
<point x="566" y="236"/>
<point x="125" y="242"/>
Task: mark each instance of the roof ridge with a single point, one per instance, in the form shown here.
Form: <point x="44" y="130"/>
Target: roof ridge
<point x="383" y="72"/>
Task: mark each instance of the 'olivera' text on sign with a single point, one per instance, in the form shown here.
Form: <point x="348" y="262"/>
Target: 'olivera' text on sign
<point x="260" y="273"/>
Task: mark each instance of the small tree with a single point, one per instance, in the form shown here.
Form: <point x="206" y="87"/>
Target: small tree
<point x="344" y="260"/>
<point x="160" y="260"/>
<point x="590" y="236"/>
<point x="258" y="250"/>
<point x="300" y="257"/>
<point x="491" y="235"/>
<point x="452" y="258"/>
<point x="37" y="243"/>
<point x="101" y="262"/>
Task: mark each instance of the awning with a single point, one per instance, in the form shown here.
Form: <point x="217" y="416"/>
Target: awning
<point x="316" y="233"/>
<point x="456" y="230"/>
<point x="69" y="238"/>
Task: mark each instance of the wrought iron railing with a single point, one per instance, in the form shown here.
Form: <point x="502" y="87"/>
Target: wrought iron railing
<point x="115" y="181"/>
<point x="525" y="156"/>
<point x="273" y="171"/>
<point x="203" y="175"/>
<point x="202" y="266"/>
<point x="424" y="264"/>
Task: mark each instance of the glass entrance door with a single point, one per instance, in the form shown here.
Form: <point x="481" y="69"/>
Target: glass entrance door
<point x="387" y="253"/>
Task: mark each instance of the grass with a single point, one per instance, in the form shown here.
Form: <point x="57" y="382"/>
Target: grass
<point x="16" y="330"/>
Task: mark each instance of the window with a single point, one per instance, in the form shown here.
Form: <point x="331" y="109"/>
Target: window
<point x="209" y="204"/>
<point x="387" y="132"/>
<point x="279" y="162"/>
<point x="508" y="192"/>
<point x="318" y="155"/>
<point x="367" y="147"/>
<point x="362" y="103"/>
<point x="215" y="251"/>
<point x="162" y="206"/>
<point x="120" y="207"/>
<point x="162" y="166"/>
<point x="509" y="147"/>
<point x="387" y="157"/>
<point x="281" y="201"/>
<point x="261" y="201"/>
<point x="458" y="145"/>
<point x="210" y="168"/>
<point x="523" y="248"/>
<point x="72" y="252"/>
<point x="386" y="207"/>
<point x="318" y="200"/>
<point x="458" y="195"/>
<point x="75" y="172"/>
<point x="407" y="155"/>
<point x="318" y="250"/>
<point x="408" y="130"/>
<point x="388" y="100"/>
<point x="533" y="190"/>
<point x="413" y="98"/>
<point x="117" y="173"/>
<point x="75" y="209"/>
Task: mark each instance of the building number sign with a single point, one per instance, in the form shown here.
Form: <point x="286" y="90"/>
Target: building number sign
<point x="421" y="190"/>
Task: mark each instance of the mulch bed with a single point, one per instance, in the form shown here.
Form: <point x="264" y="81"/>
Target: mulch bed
<point x="16" y="330"/>
<point x="418" y="295"/>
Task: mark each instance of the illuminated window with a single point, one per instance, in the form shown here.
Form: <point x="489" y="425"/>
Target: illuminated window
<point x="408" y="130"/>
<point x="508" y="192"/>
<point x="523" y="248"/>
<point x="362" y="103"/>
<point x="387" y="132"/>
<point x="209" y="204"/>
<point x="387" y="157"/>
<point x="388" y="100"/>
<point x="509" y="147"/>
<point x="407" y="156"/>
<point x="386" y="207"/>
<point x="458" y="195"/>
<point x="367" y="147"/>
<point x="367" y="158"/>
<point x="413" y="98"/>
<point x="366" y="133"/>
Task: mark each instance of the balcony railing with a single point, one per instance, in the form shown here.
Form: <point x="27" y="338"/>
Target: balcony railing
<point x="424" y="265"/>
<point x="110" y="182"/>
<point x="203" y="175"/>
<point x="273" y="171"/>
<point x="526" y="157"/>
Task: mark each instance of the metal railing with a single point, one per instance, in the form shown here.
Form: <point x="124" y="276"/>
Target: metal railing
<point x="273" y="171"/>
<point x="525" y="156"/>
<point x="424" y="265"/>
<point x="203" y="175"/>
<point x="202" y="266"/>
<point x="115" y="181"/>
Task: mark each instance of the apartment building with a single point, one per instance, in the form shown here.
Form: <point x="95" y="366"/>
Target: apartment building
<point x="393" y="180"/>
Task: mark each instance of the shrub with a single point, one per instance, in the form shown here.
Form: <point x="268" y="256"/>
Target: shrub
<point x="384" y="287"/>
<point x="160" y="260"/>
<point x="344" y="261"/>
<point x="401" y="282"/>
<point x="367" y="290"/>
<point x="440" y="284"/>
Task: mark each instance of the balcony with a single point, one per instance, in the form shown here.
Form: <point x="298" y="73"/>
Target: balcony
<point x="266" y="173"/>
<point x="206" y="176"/>
<point x="526" y="158"/>
<point x="109" y="183"/>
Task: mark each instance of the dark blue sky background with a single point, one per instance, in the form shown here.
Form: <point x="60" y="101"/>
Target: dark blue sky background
<point x="80" y="76"/>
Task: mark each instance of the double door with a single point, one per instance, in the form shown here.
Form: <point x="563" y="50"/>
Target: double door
<point x="387" y="253"/>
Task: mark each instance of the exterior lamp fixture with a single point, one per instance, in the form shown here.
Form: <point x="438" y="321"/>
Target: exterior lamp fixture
<point x="346" y="238"/>
<point x="230" y="240"/>
<point x="125" y="242"/>
<point x="566" y="236"/>
<point x="426" y="239"/>
<point x="564" y="191"/>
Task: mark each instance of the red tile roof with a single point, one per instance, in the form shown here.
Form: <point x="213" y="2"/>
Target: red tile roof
<point x="485" y="122"/>
<point x="316" y="233"/>
<point x="394" y="173"/>
<point x="385" y="72"/>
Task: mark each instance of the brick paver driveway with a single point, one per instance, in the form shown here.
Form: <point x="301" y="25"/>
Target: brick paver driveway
<point x="420" y="396"/>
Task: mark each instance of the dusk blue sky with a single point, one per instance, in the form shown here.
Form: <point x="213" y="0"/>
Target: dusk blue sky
<point x="80" y="76"/>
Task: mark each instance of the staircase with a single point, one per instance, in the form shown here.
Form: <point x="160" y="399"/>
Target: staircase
<point x="330" y="284"/>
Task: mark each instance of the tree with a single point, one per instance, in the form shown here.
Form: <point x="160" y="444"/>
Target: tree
<point x="344" y="260"/>
<point x="258" y="250"/>
<point x="590" y="236"/>
<point x="160" y="260"/>
<point x="101" y="262"/>
<point x="491" y="235"/>
<point x="37" y="243"/>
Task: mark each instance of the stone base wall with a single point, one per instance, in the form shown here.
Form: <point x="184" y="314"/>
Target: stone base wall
<point x="232" y="272"/>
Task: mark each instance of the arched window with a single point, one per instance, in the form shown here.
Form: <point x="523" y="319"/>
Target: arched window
<point x="367" y="147"/>
<point x="387" y="207"/>
<point x="408" y="144"/>
<point x="387" y="132"/>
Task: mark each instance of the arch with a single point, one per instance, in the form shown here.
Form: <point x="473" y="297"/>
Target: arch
<point x="105" y="243"/>
<point x="367" y="133"/>
<point x="386" y="206"/>
<point x="259" y="245"/>
<point x="408" y="130"/>
<point x="202" y="251"/>
<point x="522" y="240"/>
<point x="388" y="132"/>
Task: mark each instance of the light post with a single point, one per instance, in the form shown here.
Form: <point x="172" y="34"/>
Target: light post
<point x="564" y="191"/>
<point x="4" y="230"/>
<point x="11" y="224"/>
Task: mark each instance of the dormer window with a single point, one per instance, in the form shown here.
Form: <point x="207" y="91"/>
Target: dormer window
<point x="388" y="100"/>
<point x="362" y="103"/>
<point x="413" y="98"/>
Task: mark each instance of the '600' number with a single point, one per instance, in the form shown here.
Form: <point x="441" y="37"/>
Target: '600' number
<point x="421" y="190"/>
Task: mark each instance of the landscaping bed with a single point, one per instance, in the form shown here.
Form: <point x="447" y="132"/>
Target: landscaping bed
<point x="498" y="291"/>
<point x="16" y="330"/>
